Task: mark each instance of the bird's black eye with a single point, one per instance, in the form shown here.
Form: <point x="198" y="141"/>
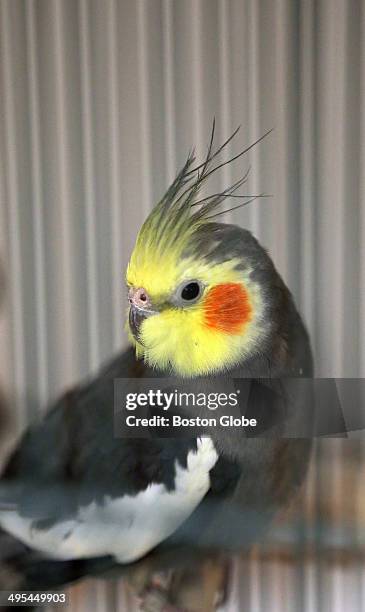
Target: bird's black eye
<point x="190" y="291"/>
<point x="187" y="293"/>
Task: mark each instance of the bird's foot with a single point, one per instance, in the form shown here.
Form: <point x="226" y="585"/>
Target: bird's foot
<point x="156" y="597"/>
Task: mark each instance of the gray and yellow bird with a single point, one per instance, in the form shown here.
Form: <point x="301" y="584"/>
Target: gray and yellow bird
<point x="205" y="300"/>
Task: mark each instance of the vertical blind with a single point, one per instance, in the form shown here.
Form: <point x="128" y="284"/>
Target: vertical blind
<point x="100" y="102"/>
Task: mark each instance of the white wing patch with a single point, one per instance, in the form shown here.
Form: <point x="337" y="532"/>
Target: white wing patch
<point x="126" y="527"/>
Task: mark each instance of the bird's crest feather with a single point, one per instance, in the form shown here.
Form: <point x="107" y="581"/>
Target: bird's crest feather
<point x="173" y="221"/>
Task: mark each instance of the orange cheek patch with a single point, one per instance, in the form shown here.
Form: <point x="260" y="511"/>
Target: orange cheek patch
<point x="227" y="308"/>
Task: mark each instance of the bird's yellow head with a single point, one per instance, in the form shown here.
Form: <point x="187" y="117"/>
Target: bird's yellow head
<point x="196" y="290"/>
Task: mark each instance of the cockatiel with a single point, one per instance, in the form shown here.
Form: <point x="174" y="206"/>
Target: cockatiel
<point x="205" y="300"/>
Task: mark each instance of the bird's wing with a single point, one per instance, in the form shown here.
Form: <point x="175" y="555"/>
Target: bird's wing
<point x="74" y="490"/>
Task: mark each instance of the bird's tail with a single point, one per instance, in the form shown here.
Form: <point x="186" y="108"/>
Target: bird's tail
<point x="12" y="556"/>
<point x="23" y="569"/>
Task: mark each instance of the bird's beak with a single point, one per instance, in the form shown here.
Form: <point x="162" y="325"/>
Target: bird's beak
<point x="136" y="317"/>
<point x="140" y="309"/>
